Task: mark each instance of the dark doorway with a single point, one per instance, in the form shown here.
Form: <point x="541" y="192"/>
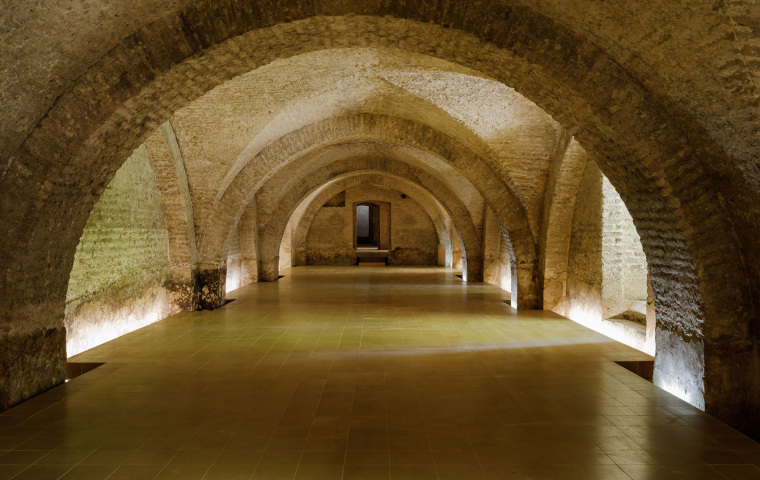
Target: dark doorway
<point x="367" y="225"/>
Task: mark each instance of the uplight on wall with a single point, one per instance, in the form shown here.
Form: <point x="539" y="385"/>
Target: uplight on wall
<point x="99" y="327"/>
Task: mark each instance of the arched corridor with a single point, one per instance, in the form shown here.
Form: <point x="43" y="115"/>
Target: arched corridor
<point x="593" y="160"/>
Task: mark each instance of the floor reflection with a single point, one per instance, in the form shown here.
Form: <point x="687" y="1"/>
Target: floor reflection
<point x="366" y="372"/>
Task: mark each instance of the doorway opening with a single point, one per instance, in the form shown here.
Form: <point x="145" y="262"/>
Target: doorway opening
<point x="372" y="232"/>
<point x="367" y="223"/>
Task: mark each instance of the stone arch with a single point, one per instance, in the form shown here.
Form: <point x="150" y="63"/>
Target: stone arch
<point x="371" y="127"/>
<point x="387" y="99"/>
<point x="272" y="233"/>
<point x="308" y="208"/>
<point x="656" y="155"/>
<point x="304" y="214"/>
<point x="385" y="173"/>
<point x="562" y="191"/>
<point x="169" y="169"/>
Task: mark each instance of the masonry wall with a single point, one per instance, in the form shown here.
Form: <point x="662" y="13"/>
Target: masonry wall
<point x="329" y="241"/>
<point x="496" y="262"/>
<point x="121" y="268"/>
<point x="456" y="250"/>
<point x="414" y="240"/>
<point x="234" y="262"/>
<point x="624" y="288"/>
<point x="286" y="247"/>
<point x="584" y="263"/>
<point x="491" y="238"/>
<point x="505" y="265"/>
<point x="607" y="270"/>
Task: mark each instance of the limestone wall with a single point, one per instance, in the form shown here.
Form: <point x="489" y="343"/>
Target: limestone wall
<point x="623" y="261"/>
<point x="286" y="247"/>
<point x="505" y="266"/>
<point x="234" y="262"/>
<point x="607" y="269"/>
<point x="584" y="264"/>
<point x="118" y="281"/>
<point x="414" y="240"/>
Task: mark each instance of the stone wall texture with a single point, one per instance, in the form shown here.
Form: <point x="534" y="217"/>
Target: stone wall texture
<point x="624" y="265"/>
<point x="584" y="264"/>
<point x="234" y="278"/>
<point x="119" y="279"/>
<point x="414" y="240"/>
<point x="606" y="266"/>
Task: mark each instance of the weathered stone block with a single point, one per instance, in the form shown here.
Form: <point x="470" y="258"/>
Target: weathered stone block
<point x="211" y="286"/>
<point x="30" y="363"/>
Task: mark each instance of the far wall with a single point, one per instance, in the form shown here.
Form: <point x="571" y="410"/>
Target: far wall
<point x="414" y="240"/>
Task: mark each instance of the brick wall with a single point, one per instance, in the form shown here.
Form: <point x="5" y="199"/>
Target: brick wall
<point x="584" y="265"/>
<point x="414" y="240"/>
<point x="117" y="283"/>
<point x="234" y="262"/>
<point x="623" y="261"/>
<point x="607" y="269"/>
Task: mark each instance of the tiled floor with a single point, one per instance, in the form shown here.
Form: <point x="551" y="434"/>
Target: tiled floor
<point x="366" y="373"/>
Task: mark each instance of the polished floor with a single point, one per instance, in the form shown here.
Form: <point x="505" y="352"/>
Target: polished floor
<point x="366" y="373"/>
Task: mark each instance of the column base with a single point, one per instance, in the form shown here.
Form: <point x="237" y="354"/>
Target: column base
<point x="211" y="287"/>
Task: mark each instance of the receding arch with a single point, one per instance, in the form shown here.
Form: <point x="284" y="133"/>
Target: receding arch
<point x="564" y="182"/>
<point x="272" y="233"/>
<point x="308" y="208"/>
<point x="367" y="127"/>
<point x="320" y="159"/>
<point x="657" y="157"/>
<point x="389" y="178"/>
<point x="353" y="96"/>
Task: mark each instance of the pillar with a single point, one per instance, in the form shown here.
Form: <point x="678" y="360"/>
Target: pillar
<point x="211" y="286"/>
<point x="269" y="269"/>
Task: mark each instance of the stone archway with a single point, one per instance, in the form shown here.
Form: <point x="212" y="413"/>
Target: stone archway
<point x="369" y="127"/>
<point x="272" y="234"/>
<point x="658" y="160"/>
<point x="311" y="205"/>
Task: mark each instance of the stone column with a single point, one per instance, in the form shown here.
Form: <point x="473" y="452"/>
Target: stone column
<point x="472" y="268"/>
<point x="211" y="286"/>
<point x="269" y="269"/>
<point x="527" y="280"/>
<point x="490" y="245"/>
<point x="249" y="244"/>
